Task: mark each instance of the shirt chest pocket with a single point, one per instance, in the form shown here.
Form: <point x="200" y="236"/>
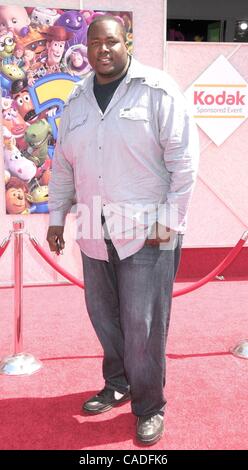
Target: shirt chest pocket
<point x="136" y="113"/>
<point x="135" y="124"/>
<point x="77" y="121"/>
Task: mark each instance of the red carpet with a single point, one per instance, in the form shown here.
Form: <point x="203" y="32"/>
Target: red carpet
<point x="206" y="386"/>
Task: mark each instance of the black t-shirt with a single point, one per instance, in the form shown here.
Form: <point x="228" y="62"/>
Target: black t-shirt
<point x="104" y="93"/>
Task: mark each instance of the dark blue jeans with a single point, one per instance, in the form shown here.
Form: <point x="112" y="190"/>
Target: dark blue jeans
<point x="129" y="303"/>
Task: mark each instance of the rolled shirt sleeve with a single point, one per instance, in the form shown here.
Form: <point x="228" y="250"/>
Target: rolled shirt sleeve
<point x="61" y="185"/>
<point x="179" y="138"/>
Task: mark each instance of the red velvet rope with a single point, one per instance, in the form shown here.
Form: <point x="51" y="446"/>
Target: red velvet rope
<point x="55" y="265"/>
<point x="3" y="246"/>
<point x="220" y="268"/>
<point x="223" y="265"/>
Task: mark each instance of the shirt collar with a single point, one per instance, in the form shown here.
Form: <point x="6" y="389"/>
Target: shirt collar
<point x="136" y="70"/>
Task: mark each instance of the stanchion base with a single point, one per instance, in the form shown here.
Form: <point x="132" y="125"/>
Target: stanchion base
<point x="241" y="350"/>
<point x="20" y="364"/>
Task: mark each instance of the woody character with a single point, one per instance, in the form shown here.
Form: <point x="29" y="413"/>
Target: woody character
<point x="56" y="38"/>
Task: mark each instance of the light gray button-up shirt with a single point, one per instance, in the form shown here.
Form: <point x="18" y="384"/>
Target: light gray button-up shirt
<point x="136" y="163"/>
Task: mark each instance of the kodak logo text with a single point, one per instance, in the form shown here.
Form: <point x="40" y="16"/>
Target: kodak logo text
<point x="202" y="98"/>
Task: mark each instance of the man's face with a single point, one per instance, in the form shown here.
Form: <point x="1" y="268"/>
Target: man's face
<point x="107" y="52"/>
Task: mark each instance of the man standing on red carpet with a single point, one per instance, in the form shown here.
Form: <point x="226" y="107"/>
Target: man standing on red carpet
<point x="128" y="150"/>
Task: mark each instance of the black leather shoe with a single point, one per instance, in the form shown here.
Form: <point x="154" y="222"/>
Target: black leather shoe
<point x="150" y="430"/>
<point x="104" y="401"/>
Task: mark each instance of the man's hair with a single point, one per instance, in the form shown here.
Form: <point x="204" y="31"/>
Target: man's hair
<point x="101" y="18"/>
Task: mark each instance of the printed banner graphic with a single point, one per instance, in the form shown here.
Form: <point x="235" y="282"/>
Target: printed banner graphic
<point x="218" y="100"/>
<point x="43" y="53"/>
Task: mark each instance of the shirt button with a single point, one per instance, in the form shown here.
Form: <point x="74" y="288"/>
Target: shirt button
<point x="100" y="148"/>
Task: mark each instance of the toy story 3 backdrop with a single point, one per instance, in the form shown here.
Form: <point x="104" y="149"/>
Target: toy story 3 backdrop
<point x="43" y="53"/>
